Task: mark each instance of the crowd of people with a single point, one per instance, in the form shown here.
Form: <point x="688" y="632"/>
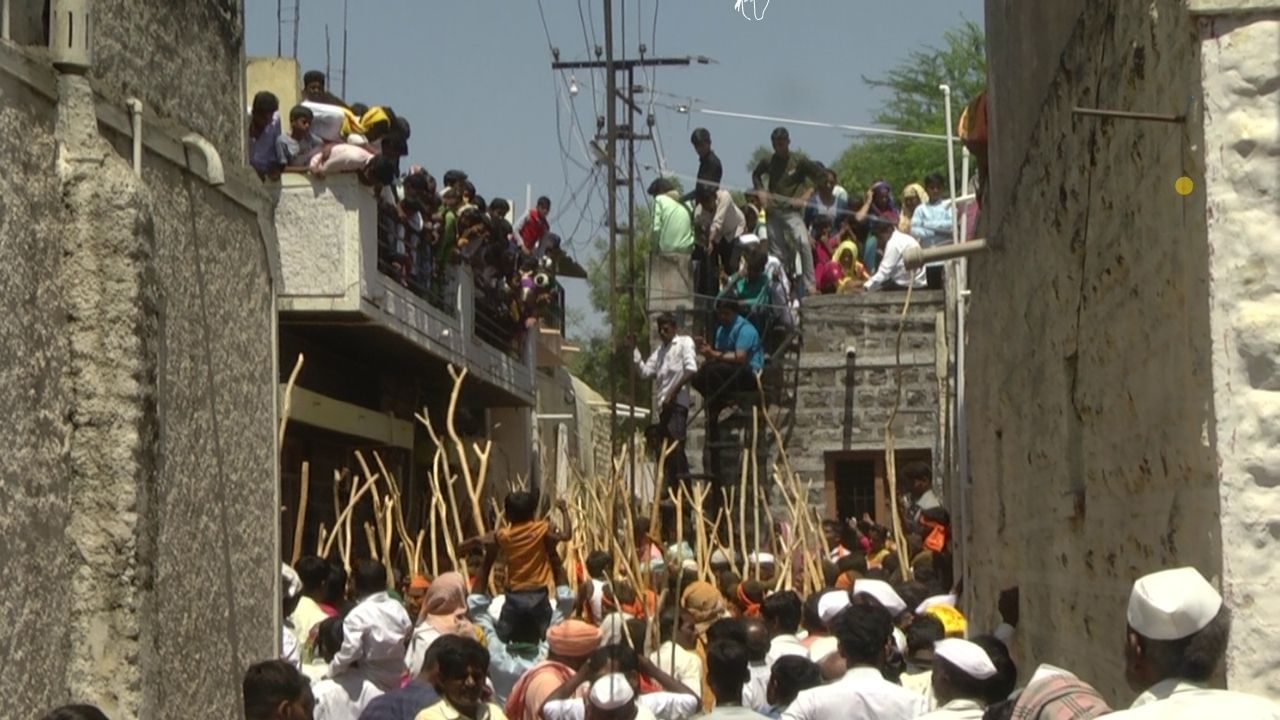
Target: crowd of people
<point x="426" y="230"/>
<point x="527" y="636"/>
<point x="815" y="237"/>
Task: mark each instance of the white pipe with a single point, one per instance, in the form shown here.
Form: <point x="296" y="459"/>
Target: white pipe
<point x="812" y="123"/>
<point x="961" y="447"/>
<point x="917" y="257"/>
<point x="4" y="19"/>
<point x="135" y="123"/>
<point x="213" y="173"/>
<point x="951" y="157"/>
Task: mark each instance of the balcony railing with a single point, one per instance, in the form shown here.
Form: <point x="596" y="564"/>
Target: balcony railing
<point x="335" y="264"/>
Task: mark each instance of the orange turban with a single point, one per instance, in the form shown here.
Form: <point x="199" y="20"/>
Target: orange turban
<point x="419" y="582"/>
<point x="573" y="638"/>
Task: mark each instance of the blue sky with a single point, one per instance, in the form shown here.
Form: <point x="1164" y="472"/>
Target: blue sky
<point x="474" y="79"/>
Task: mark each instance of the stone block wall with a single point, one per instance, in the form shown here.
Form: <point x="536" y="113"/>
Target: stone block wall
<point x="1096" y="383"/>
<point x="830" y="414"/>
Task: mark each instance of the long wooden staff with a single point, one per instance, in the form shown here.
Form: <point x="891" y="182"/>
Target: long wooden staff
<point x="344" y="518"/>
<point x="300" y="522"/>
<point x="755" y="485"/>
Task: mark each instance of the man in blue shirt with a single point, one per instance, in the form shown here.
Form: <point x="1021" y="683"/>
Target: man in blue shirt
<point x="931" y="225"/>
<point x="732" y="360"/>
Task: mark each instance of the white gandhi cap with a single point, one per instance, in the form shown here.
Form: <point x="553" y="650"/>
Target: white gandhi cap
<point x="1172" y="604"/>
<point x="830" y="605"/>
<point x="882" y="591"/>
<point x="611" y="692"/>
<point x="967" y="656"/>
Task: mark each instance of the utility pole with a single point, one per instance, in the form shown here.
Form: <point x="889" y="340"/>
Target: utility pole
<point x="613" y="133"/>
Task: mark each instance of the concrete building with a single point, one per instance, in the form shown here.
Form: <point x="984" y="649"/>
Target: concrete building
<point x="377" y="353"/>
<point x="1122" y="350"/>
<point x="137" y="537"/>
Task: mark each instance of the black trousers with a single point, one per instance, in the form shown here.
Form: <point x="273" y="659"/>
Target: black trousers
<point x="674" y="421"/>
<point x="717" y="379"/>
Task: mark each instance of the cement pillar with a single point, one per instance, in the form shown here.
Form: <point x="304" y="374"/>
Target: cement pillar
<point x="1240" y="68"/>
<point x="110" y="297"/>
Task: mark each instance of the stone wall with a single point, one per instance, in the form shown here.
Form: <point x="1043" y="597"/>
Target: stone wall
<point x="830" y="414"/>
<point x="1240" y="71"/>
<point x="183" y="58"/>
<point x="1093" y="451"/>
<point x="34" y="557"/>
<point x="138" y="539"/>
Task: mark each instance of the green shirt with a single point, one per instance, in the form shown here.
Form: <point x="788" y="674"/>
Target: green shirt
<point x="786" y="179"/>
<point x="672" y="225"/>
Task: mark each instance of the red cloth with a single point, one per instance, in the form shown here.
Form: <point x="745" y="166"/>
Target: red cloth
<point x="534" y="227"/>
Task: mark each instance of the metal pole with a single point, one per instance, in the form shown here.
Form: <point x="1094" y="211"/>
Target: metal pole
<point x="961" y="447"/>
<point x="1126" y="115"/>
<point x="279" y="28"/>
<point x="611" y="151"/>
<point x="631" y="261"/>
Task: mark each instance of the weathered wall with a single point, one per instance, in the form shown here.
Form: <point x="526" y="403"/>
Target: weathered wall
<point x="138" y="539"/>
<point x="34" y="558"/>
<point x="1031" y="38"/>
<point x="184" y="58"/>
<point x="1090" y="396"/>
<point x="1240" y="57"/>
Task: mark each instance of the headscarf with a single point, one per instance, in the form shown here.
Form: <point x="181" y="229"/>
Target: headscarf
<point x="890" y="213"/>
<point x="904" y="222"/>
<point x="447" y="594"/>
<point x="1059" y="696"/>
<point x="703" y="601"/>
<point x="445" y="605"/>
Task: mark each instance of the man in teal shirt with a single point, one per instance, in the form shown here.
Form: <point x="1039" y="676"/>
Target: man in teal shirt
<point x="672" y="219"/>
<point x="732" y="360"/>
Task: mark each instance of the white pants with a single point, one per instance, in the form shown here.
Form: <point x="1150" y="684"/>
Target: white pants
<point x="788" y="236"/>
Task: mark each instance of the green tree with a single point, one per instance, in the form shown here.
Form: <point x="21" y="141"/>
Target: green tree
<point x="599" y="352"/>
<point x="915" y="104"/>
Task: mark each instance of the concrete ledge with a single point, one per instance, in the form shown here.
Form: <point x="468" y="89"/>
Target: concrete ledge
<point x="1231" y="7"/>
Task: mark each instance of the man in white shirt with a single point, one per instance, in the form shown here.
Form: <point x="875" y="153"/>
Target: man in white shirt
<point x="676" y="654"/>
<point x="781" y="613"/>
<point x="1177" y="637"/>
<point x="863" y="692"/>
<point x="892" y="274"/>
<point x="671" y="365"/>
<point x="375" y="632"/>
<point x="344" y="694"/>
<point x="755" y="693"/>
<point x="675" y="701"/>
<point x="963" y="678"/>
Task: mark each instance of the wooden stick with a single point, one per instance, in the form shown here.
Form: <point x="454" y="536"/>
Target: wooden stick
<point x="286" y="404"/>
<point x="755" y="485"/>
<point x="300" y="521"/>
<point x="320" y="538"/>
<point x="728" y="495"/>
<point x="416" y="561"/>
<point x="401" y="528"/>
<point x="344" y="517"/>
<point x="373" y="543"/>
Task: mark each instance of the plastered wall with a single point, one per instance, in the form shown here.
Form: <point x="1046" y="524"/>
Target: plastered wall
<point x="1091" y="392"/>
